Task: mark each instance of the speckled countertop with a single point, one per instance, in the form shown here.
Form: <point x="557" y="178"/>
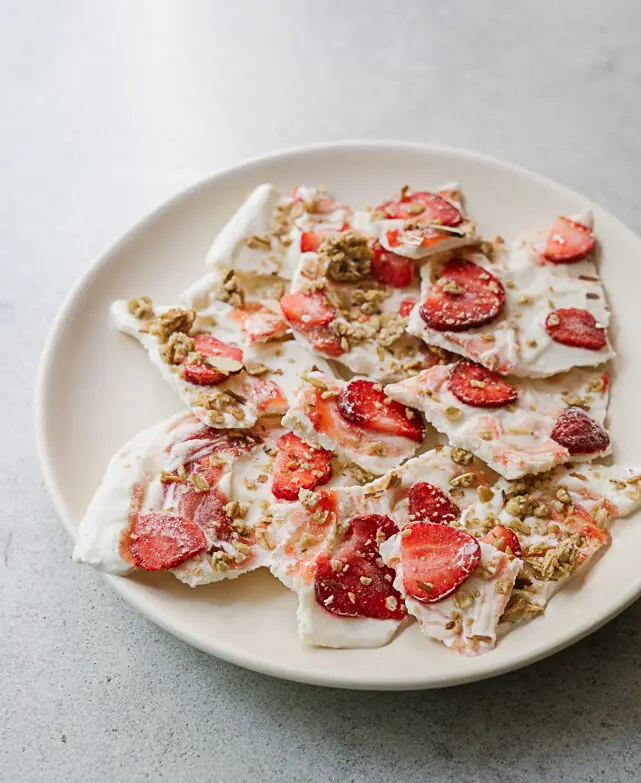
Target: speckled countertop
<point x="108" y="108"/>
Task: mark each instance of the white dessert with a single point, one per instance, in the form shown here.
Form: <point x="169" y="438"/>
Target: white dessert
<point x="515" y="439"/>
<point x="516" y="341"/>
<point x="241" y="399"/>
<point x="467" y="620"/>
<point x="219" y="482"/>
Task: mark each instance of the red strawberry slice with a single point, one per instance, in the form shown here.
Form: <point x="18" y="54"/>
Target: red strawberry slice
<point x="428" y="503"/>
<point x="258" y="322"/>
<point x="298" y="466"/>
<point x="310" y="241"/>
<point x="390" y="268"/>
<point x="310" y="314"/>
<point x="366" y="404"/>
<point x="423" y="206"/>
<point x="436" y="559"/>
<point x="161" y="540"/>
<point x="306" y="310"/>
<point x="576" y="327"/>
<point x="207" y="345"/>
<point x="406" y="306"/>
<point x="474" y="385"/>
<point x="504" y="539"/>
<point x="580" y="434"/>
<point x="465" y="295"/>
<point x="350" y="582"/>
<point x="568" y="242"/>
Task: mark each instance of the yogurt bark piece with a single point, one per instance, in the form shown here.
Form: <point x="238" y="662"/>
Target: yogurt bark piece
<point x="183" y="497"/>
<point x="517" y="426"/>
<point x="349" y="301"/>
<point x="355" y="421"/>
<point x="262" y="239"/>
<point x="560" y="521"/>
<point x="204" y="357"/>
<point x="468" y="618"/>
<point x="327" y="548"/>
<point x="419" y="224"/>
<point x="550" y="315"/>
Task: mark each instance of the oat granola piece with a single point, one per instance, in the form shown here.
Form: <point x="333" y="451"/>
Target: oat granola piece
<point x="347" y="256"/>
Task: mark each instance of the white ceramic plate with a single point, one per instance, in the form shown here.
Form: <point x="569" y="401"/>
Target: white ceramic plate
<point x="96" y="389"/>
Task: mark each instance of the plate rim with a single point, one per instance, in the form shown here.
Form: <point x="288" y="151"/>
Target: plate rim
<point x="121" y="585"/>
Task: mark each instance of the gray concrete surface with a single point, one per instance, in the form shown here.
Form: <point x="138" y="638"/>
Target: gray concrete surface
<point x="108" y="108"/>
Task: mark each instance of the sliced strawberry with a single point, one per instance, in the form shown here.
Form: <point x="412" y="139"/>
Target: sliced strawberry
<point x="465" y="295"/>
<point x="406" y="306"/>
<point x="474" y="385"/>
<point x="428" y="503"/>
<point x="568" y="242"/>
<point x="390" y="268"/>
<point x="310" y="314"/>
<point x="350" y="582"/>
<point x="161" y="540"/>
<point x="305" y="310"/>
<point x="298" y="466"/>
<point x="436" y="559"/>
<point x="504" y="539"/>
<point x="258" y="322"/>
<point x="366" y="404"/>
<point x="576" y="327"/>
<point x="580" y="434"/>
<point x="208" y="345"/>
<point x="310" y="241"/>
<point x="423" y="206"/>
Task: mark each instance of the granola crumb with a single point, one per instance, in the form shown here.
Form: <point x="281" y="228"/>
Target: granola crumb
<point x="174" y="320"/>
<point x="348" y="257"/>
<point x="461" y="456"/>
<point x="141" y="307"/>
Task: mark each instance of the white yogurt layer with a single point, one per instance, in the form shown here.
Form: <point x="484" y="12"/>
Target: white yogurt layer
<point x="270" y="393"/>
<point x="467" y="620"/>
<point x="516" y="342"/>
<point x="233" y="247"/>
<point x="133" y="485"/>
<point x="515" y="439"/>
<point x="561" y="520"/>
<point x="301" y="533"/>
<point x="376" y="452"/>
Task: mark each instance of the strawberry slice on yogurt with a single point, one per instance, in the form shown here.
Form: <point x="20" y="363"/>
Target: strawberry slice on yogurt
<point x="569" y="241"/>
<point x="203" y="356"/>
<point x="517" y="426"/>
<point x="548" y="315"/>
<point x="456" y="586"/>
<point x="356" y="421"/>
<point x="298" y="466"/>
<point x="183" y="497"/>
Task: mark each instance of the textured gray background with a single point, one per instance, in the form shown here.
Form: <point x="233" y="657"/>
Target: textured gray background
<point x="106" y="109"/>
